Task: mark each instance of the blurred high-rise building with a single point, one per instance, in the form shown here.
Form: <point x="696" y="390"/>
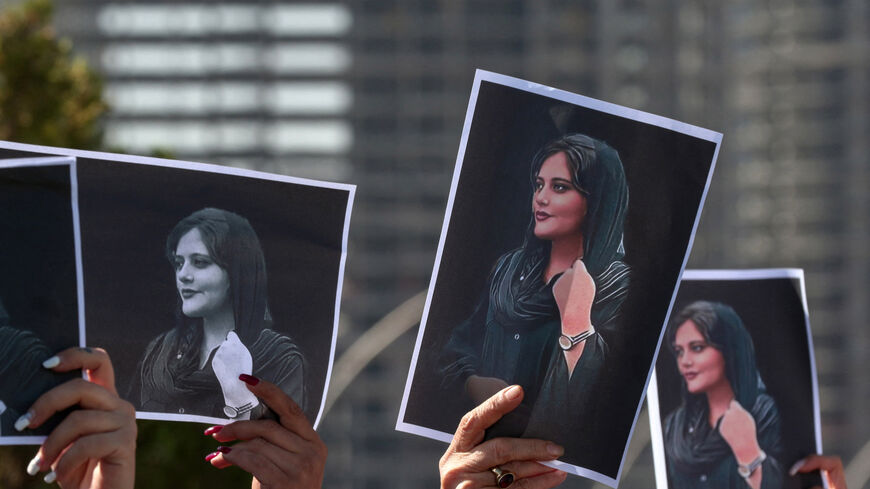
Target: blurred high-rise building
<point x="374" y="92"/>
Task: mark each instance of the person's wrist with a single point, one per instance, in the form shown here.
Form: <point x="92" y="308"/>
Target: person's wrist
<point x="574" y="326"/>
<point x="746" y="470"/>
<point x="747" y="453"/>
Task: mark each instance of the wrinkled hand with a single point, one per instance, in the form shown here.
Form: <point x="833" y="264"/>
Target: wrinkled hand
<point x="738" y="429"/>
<point x="281" y="454"/>
<point x="574" y="292"/>
<point x="831" y="467"/>
<point x="231" y="359"/>
<point x="467" y="462"/>
<point x="94" y="446"/>
<point x="480" y="389"/>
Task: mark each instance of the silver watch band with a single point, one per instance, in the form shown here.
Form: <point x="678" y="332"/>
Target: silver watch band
<point x="746" y="471"/>
<point x="568" y="342"/>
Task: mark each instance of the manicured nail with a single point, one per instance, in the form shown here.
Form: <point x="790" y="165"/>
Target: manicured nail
<point x="555" y="450"/>
<point x="33" y="466"/>
<point x="50" y="477"/>
<point x="797" y="466"/>
<point x="51" y="362"/>
<point x="211" y="456"/>
<point x="2" y="407"/>
<point x="213" y="430"/>
<point x="24" y="421"/>
<point x="224" y="449"/>
<point x="249" y="379"/>
<point x="514" y="392"/>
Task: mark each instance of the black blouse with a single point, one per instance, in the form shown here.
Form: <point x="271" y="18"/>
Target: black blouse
<point x="170" y="381"/>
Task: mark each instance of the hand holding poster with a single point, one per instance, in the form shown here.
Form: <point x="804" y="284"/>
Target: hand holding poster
<point x="567" y="228"/>
<point x="734" y="401"/>
<point x="189" y="275"/>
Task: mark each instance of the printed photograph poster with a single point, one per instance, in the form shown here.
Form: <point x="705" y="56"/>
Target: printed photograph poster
<point x="735" y="393"/>
<point x="195" y="273"/>
<point x="567" y="228"/>
<point x="39" y="292"/>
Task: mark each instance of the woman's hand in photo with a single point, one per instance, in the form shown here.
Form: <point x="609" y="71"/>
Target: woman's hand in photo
<point x="95" y="445"/>
<point x="574" y="292"/>
<point x="286" y="453"/>
<point x="737" y="427"/>
<point x="469" y="461"/>
<point x="231" y="359"/>
<point x="480" y="389"/>
<point x="830" y="465"/>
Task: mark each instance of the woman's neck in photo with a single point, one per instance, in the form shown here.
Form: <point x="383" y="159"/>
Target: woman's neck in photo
<point x="563" y="253"/>
<point x="719" y="397"/>
<point x="215" y="329"/>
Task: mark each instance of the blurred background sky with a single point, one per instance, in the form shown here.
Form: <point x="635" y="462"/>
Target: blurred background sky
<point x="374" y="92"/>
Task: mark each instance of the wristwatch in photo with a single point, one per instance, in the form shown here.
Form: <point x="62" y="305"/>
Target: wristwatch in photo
<point x="567" y="342"/>
<point x="746" y="471"/>
<point x="234" y="412"/>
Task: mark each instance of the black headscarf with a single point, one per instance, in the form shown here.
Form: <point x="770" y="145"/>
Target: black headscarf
<point x="597" y="172"/>
<point x="692" y="445"/>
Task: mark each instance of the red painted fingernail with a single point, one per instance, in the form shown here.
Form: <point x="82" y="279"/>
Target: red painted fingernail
<point x="249" y="379"/>
<point x="213" y="430"/>
<point x="224" y="449"/>
<point x="211" y="456"/>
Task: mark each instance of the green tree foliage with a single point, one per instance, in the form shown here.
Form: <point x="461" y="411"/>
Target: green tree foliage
<point x="47" y="96"/>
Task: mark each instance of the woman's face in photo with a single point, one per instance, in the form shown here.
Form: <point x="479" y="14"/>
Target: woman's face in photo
<point x="559" y="207"/>
<point x="203" y="285"/>
<point x="701" y="365"/>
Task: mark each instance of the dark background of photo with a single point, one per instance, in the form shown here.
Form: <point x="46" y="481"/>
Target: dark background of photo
<point x="772" y="312"/>
<point x="666" y="173"/>
<point x="128" y="210"/>
<point x="37" y="262"/>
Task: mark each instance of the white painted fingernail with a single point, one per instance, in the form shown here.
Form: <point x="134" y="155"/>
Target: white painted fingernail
<point x="23" y="421"/>
<point x="50" y="477"/>
<point x="33" y="466"/>
<point x="797" y="466"/>
<point x="51" y="362"/>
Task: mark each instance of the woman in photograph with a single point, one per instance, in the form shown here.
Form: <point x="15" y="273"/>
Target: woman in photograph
<point x="539" y="320"/>
<point x="222" y="326"/>
<point x="726" y="433"/>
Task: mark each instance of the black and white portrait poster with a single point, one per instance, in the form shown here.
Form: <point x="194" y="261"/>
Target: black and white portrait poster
<point x="734" y="400"/>
<point x="39" y="284"/>
<point x="568" y="225"/>
<point x="196" y="273"/>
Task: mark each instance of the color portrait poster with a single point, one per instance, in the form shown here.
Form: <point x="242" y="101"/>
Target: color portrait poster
<point x="193" y="273"/>
<point x="734" y="399"/>
<point x="567" y="228"/>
